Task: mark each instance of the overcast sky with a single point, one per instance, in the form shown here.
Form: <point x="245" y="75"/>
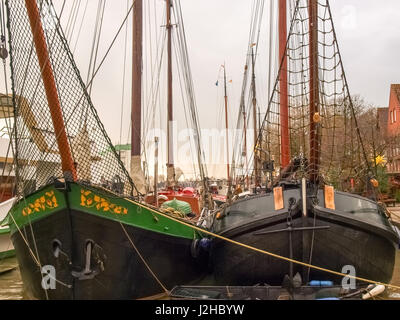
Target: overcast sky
<point x="217" y="31"/>
<point x="369" y="38"/>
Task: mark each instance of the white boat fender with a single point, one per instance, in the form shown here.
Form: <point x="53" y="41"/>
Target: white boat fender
<point x="377" y="290"/>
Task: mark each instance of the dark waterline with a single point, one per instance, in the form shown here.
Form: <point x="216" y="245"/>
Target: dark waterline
<point x="11" y="287"/>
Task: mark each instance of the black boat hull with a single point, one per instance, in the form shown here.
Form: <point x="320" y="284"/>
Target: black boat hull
<point x="332" y="241"/>
<point x="234" y="265"/>
<point x="117" y="270"/>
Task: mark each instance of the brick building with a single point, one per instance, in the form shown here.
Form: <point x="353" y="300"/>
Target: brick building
<point x="393" y="130"/>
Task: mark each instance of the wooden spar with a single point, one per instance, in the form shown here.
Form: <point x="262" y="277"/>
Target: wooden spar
<point x="283" y="85"/>
<point x="227" y="127"/>
<point x="67" y="163"/>
<point x="156" y="171"/>
<point x="314" y="91"/>
<point x="170" y="153"/>
<point x="137" y="44"/>
<point x="245" y="146"/>
<point x="136" y="170"/>
<point x="254" y="100"/>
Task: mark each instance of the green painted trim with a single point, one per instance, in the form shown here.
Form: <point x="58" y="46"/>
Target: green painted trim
<point x="95" y="203"/>
<point x="7" y="254"/>
<point x="126" y="212"/>
<point x="4" y="230"/>
<point x="36" y="206"/>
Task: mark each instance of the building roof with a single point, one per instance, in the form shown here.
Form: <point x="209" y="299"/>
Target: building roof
<point x="395" y="88"/>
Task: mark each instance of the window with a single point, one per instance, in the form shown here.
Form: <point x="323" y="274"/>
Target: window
<point x="391" y="116"/>
<point x="394" y="115"/>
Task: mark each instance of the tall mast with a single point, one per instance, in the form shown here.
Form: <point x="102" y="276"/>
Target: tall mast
<point x="283" y="85"/>
<point x="226" y="126"/>
<point x="67" y="163"/>
<point x="170" y="163"/>
<point x="245" y="146"/>
<point x="314" y="92"/>
<point x="136" y="112"/>
<point x="254" y="100"/>
<point x="156" y="172"/>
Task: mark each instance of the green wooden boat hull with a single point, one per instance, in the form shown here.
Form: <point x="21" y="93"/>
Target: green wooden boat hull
<point x="100" y="246"/>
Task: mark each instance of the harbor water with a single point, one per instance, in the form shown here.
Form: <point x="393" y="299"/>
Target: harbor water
<point x="11" y="287"/>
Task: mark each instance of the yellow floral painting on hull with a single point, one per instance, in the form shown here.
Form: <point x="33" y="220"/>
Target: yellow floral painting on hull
<point x="46" y="201"/>
<point x="91" y="200"/>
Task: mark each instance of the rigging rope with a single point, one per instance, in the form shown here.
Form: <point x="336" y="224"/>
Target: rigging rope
<point x="96" y="40"/>
<point x="143" y="260"/>
<point x="336" y="121"/>
<point x="244" y="109"/>
<point x="203" y="231"/>
<point x="80" y="27"/>
<point x="123" y="80"/>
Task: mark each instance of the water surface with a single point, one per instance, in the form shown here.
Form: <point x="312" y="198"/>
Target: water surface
<point x="11" y="287"/>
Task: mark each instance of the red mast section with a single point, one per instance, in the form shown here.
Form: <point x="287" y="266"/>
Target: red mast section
<point x="283" y="85"/>
<point x="67" y="163"/>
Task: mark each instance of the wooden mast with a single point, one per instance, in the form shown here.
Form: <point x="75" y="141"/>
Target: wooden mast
<point x="136" y="78"/>
<point x="156" y="172"/>
<point x="227" y="127"/>
<point x="254" y="100"/>
<point x="314" y="110"/>
<point x="314" y="91"/>
<point x="245" y="147"/>
<point x="67" y="163"/>
<point x="283" y="85"/>
<point x="170" y="153"/>
<point x="136" y="108"/>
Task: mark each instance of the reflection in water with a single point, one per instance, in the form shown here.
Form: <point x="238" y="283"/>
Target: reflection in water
<point x="395" y="294"/>
<point x="10" y="280"/>
<point x="11" y="283"/>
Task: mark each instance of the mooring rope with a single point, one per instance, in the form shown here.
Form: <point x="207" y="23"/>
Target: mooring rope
<point x="263" y="251"/>
<point x="35" y="259"/>
<point x="144" y="261"/>
<point x="26" y="242"/>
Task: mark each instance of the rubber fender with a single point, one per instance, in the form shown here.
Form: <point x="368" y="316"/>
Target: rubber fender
<point x="317" y="283"/>
<point x="205" y="244"/>
<point x="198" y="245"/>
<point x="377" y="290"/>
